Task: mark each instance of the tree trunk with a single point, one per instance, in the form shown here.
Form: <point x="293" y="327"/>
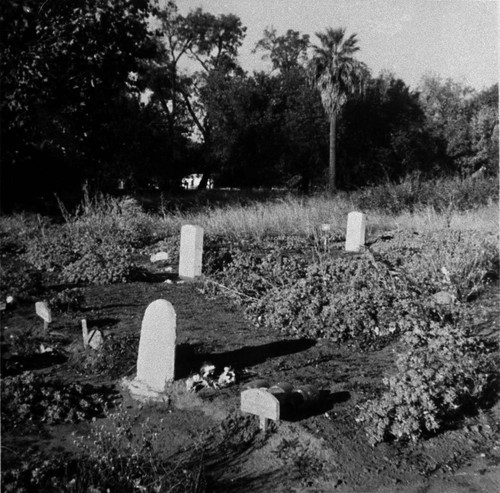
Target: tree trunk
<point x="204" y="181"/>
<point x="332" y="163"/>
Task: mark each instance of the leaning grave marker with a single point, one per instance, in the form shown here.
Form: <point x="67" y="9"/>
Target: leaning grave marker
<point x="355" y="234"/>
<point x="262" y="403"/>
<point x="156" y="356"/>
<point x="191" y="251"/>
<point x="43" y="311"/>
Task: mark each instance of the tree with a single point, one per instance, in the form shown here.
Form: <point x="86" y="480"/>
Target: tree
<point x="464" y="121"/>
<point x="210" y="41"/>
<point x="382" y="134"/>
<point x="286" y="52"/>
<point x="337" y="74"/>
<point x="63" y="64"/>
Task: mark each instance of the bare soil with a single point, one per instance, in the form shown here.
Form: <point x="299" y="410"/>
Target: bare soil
<point x="324" y="450"/>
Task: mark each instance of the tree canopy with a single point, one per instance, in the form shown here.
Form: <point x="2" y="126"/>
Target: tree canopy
<point x="97" y="91"/>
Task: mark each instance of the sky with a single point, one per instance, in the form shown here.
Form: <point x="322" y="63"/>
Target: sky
<point x="410" y="38"/>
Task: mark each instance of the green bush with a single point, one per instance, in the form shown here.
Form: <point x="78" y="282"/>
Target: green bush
<point x="340" y="299"/>
<point x="52" y="249"/>
<point x="34" y="398"/>
<point x="69" y="299"/>
<point x="19" y="279"/>
<point x="251" y="268"/>
<point x="443" y="195"/>
<point x="443" y="373"/>
<point x="113" y="358"/>
<point x="100" y="262"/>
<point x="466" y="257"/>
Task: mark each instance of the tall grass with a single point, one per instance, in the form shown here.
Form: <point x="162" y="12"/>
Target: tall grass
<point x="304" y="216"/>
<point x="412" y="205"/>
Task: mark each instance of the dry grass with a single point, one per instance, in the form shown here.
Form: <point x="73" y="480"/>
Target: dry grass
<point x="303" y="216"/>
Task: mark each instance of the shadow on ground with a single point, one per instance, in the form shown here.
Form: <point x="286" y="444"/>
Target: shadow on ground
<point x="189" y="360"/>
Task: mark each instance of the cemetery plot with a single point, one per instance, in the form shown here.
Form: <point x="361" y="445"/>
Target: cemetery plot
<point x="305" y="391"/>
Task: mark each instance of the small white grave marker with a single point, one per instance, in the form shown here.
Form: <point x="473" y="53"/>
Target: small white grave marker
<point x="85" y="333"/>
<point x="191" y="251"/>
<point x="159" y="257"/>
<point x="261" y="403"/>
<point x="94" y="338"/>
<point x="355" y="236"/>
<point x="43" y="311"/>
<point x="156" y="358"/>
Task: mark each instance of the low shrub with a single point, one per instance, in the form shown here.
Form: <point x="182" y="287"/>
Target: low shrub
<point x="251" y="268"/>
<point x="52" y="249"/>
<point x="444" y="195"/>
<point x="69" y="299"/>
<point x="115" y="456"/>
<point x="100" y="262"/>
<point x="113" y="358"/>
<point x="19" y="280"/>
<point x="34" y="398"/>
<point x="456" y="261"/>
<point x="444" y="372"/>
<point x="340" y="299"/>
<point x="121" y="220"/>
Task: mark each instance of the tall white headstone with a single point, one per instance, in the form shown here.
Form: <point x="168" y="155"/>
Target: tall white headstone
<point x="156" y="358"/>
<point x="355" y="235"/>
<point x="191" y="251"/>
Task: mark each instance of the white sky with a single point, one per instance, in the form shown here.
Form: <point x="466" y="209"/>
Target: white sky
<point x="451" y="38"/>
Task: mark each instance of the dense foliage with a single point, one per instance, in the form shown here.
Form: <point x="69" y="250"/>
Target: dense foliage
<point x="444" y="373"/>
<point x="29" y="397"/>
<point x="290" y="284"/>
<point x="66" y="69"/>
<point x="94" y="91"/>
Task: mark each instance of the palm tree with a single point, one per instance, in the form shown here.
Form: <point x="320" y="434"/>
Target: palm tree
<point x="337" y="75"/>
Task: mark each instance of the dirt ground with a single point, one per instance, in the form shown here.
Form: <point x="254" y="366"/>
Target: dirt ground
<point x="323" y="451"/>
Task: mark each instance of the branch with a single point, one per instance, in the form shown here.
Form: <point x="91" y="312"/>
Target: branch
<point x="202" y="129"/>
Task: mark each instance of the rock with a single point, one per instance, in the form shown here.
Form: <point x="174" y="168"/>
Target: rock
<point x="443" y="298"/>
<point x="159" y="257"/>
<point x="95" y="339"/>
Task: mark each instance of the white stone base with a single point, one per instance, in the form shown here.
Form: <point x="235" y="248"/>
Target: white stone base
<point x="142" y="392"/>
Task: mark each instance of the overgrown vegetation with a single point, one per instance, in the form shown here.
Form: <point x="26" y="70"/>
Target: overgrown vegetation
<point x="443" y="373"/>
<point x="30" y="398"/>
<point x="118" y="455"/>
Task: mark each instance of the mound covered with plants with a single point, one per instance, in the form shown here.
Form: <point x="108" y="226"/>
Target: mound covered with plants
<point x="293" y="285"/>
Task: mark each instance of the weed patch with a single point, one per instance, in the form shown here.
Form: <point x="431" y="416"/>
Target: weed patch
<point x="444" y="373"/>
<point x="30" y="398"/>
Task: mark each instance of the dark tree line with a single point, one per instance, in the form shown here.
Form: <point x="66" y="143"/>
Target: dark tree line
<point x="97" y="91"/>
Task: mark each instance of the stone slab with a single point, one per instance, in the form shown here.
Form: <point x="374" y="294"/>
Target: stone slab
<point x="355" y="234"/>
<point x="43" y="311"/>
<point x="191" y="251"/>
<point x="261" y="403"/>
<point x="156" y="357"/>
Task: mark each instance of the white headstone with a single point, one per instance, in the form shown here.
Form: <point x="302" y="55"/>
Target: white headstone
<point x="262" y="403"/>
<point x="355" y="236"/>
<point x="95" y="339"/>
<point x="156" y="358"/>
<point x="85" y="333"/>
<point x="159" y="257"/>
<point x="43" y="311"/>
<point x="191" y="251"/>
